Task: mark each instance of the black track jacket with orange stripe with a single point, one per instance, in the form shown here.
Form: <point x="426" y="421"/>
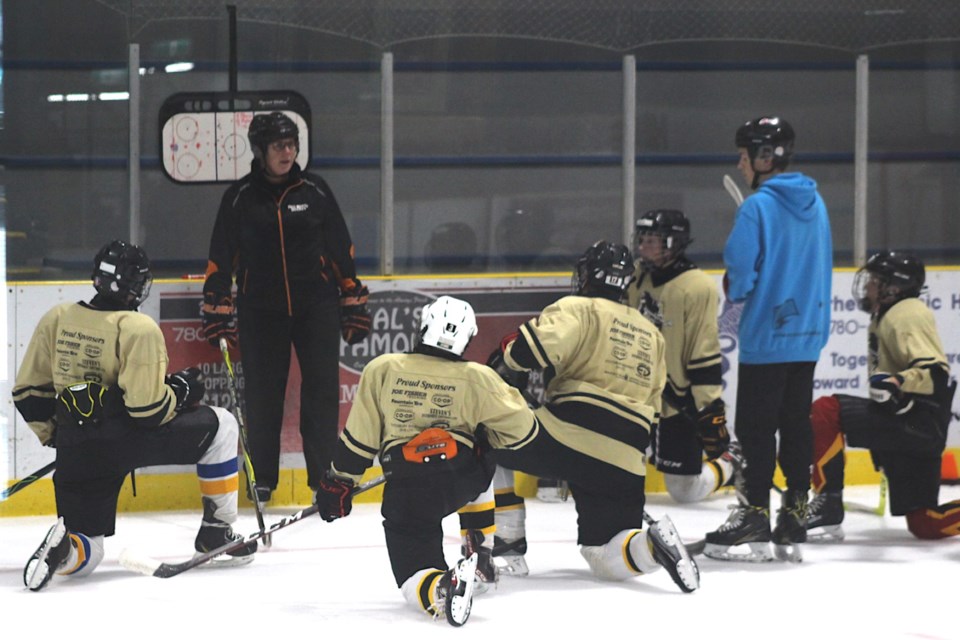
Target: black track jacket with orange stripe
<point x="279" y="240"/>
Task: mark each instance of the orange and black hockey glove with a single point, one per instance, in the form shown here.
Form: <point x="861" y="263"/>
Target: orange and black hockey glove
<point x="355" y="319"/>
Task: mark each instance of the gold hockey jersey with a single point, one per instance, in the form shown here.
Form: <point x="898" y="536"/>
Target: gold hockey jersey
<point x="905" y="341"/>
<point x="688" y="303"/>
<point x="76" y="343"/>
<point x="401" y="395"/>
<point x="600" y="353"/>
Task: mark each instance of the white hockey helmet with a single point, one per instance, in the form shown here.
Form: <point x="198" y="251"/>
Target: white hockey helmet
<point x="449" y="324"/>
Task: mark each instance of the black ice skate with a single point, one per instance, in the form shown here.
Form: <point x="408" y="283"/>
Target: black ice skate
<point x="824" y="517"/>
<point x="214" y="534"/>
<point x="791" y="529"/>
<point x="487" y="573"/>
<point x="746" y="525"/>
<point x="669" y="552"/>
<point x="455" y="591"/>
<point x="510" y="554"/>
<point x="49" y="556"/>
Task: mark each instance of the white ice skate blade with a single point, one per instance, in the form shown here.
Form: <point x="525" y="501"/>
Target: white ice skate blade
<point x="758" y="552"/>
<point x="788" y="552"/>
<point x="225" y="561"/>
<point x="512" y="565"/>
<point x="686" y="567"/>
<point x="826" y="534"/>
<point x="37" y="573"/>
<point x="458" y="606"/>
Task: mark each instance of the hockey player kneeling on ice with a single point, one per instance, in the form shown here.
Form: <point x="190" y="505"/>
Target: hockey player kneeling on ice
<point x="691" y="445"/>
<point x="424" y="414"/>
<point x="108" y="408"/>
<point x="606" y="372"/>
<point x="904" y="421"/>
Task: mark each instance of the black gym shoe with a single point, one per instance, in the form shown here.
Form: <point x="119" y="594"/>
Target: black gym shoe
<point x="670" y="553"/>
<point x="49" y="556"/>
<point x="746" y="525"/>
<point x="824" y="516"/>
<point x="455" y="591"/>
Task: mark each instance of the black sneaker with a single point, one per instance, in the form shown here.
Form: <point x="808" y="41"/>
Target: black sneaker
<point x="824" y="517"/>
<point x="747" y="525"/>
<point x="49" y="556"/>
<point x="670" y="553"/>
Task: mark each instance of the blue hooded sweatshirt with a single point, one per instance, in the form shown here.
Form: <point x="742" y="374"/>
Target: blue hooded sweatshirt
<point x="779" y="260"/>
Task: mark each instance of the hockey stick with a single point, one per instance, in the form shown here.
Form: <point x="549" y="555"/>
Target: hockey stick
<point x="23" y="483"/>
<point x="151" y="567"/>
<point x="878" y="510"/>
<point x="732" y="189"/>
<point x="244" y="445"/>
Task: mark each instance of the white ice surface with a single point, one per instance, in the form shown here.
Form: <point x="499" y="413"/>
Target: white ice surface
<point x="321" y="578"/>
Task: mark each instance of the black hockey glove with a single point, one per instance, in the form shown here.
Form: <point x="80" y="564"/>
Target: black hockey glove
<point x="188" y="387"/>
<point x="218" y="319"/>
<point x="516" y="379"/>
<point x="885" y="391"/>
<point x="650" y="310"/>
<point x="712" y="429"/>
<point x="354" y="317"/>
<point x="334" y="497"/>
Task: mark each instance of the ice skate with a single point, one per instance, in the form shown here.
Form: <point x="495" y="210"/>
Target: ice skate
<point x="746" y="526"/>
<point x="215" y="535"/>
<point x="509" y="556"/>
<point x="455" y="591"/>
<point x="824" y="517"/>
<point x="49" y="556"/>
<point x="487" y="573"/>
<point x="670" y="553"/>
<point x="791" y="529"/>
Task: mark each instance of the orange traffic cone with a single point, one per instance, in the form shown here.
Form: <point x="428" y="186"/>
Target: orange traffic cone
<point x="948" y="468"/>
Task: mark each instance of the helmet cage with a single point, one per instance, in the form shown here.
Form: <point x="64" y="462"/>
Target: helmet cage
<point x="448" y="324"/>
<point x="671" y="226"/>
<point x="897" y="276"/>
<point x="121" y="272"/>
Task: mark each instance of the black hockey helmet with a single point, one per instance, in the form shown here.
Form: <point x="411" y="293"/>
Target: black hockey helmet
<point x="270" y="127"/>
<point x="604" y="270"/>
<point x="898" y="275"/>
<point x="670" y="225"/>
<point x="121" y="272"/>
<point x="767" y="137"/>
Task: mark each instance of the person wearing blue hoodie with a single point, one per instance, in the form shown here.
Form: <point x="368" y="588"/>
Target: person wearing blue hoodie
<point x="779" y="264"/>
